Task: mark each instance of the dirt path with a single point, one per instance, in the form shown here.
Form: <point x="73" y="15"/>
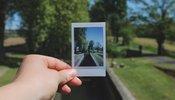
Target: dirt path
<point x="163" y="59"/>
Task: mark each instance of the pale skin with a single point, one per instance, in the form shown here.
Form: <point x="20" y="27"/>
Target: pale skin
<point x="39" y="78"/>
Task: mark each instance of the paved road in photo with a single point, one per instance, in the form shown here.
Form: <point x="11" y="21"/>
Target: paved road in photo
<point x="88" y="60"/>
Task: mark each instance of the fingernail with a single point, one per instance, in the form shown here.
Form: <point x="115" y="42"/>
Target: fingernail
<point x="72" y="73"/>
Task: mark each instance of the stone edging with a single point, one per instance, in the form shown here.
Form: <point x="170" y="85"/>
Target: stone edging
<point x="124" y="92"/>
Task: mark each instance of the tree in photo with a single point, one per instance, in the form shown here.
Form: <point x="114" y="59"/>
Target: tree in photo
<point x="80" y="39"/>
<point x="91" y="46"/>
<point x="98" y="46"/>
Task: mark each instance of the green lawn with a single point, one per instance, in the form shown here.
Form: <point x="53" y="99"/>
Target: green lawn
<point x="151" y="45"/>
<point x="145" y="81"/>
<point x="11" y="63"/>
<point x="8" y="76"/>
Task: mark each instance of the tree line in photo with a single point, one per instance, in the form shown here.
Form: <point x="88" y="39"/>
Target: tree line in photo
<point x="82" y="45"/>
<point x="46" y="23"/>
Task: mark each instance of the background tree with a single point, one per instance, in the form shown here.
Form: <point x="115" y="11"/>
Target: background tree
<point x="5" y="9"/>
<point x="158" y="14"/>
<point x="118" y="19"/>
<point x="170" y="36"/>
<point x="29" y="11"/>
<point x="127" y="33"/>
<point x="3" y="5"/>
<point x="47" y="24"/>
<point x="114" y="12"/>
<point x="57" y="19"/>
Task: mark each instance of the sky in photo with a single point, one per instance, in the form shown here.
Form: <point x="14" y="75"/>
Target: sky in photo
<point x="95" y="34"/>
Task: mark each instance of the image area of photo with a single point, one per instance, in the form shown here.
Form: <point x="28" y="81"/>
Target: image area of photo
<point x="88" y="46"/>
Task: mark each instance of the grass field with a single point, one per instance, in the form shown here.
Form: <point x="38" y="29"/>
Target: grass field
<point x="11" y="63"/>
<point x="11" y="41"/>
<point x="139" y="74"/>
<point x="145" y="81"/>
<point x="8" y="76"/>
<point x="166" y="66"/>
<point x="151" y="44"/>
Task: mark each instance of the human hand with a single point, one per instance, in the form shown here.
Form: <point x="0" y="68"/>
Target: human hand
<point x="39" y="77"/>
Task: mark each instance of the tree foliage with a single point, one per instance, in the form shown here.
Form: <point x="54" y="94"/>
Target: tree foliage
<point x="30" y="11"/>
<point x="47" y="24"/>
<point x="91" y="46"/>
<point x="158" y="14"/>
<point x="56" y="23"/>
<point x="2" y="25"/>
<point x="127" y="33"/>
<point x="114" y="12"/>
<point x="80" y="39"/>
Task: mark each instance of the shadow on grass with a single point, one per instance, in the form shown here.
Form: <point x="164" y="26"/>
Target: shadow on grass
<point x="13" y="56"/>
<point x="137" y="53"/>
<point x="169" y="72"/>
<point x="11" y="62"/>
<point x="22" y="48"/>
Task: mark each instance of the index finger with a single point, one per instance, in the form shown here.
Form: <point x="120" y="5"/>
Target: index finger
<point x="54" y="63"/>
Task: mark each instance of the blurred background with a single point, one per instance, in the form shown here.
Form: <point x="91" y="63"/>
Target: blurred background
<point x="140" y="42"/>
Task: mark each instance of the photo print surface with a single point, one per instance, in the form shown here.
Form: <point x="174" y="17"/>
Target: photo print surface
<point x="88" y="48"/>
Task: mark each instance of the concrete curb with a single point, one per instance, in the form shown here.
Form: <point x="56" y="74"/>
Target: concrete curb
<point x="124" y="92"/>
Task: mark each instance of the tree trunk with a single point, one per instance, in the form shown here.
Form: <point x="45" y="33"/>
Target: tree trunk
<point x="2" y="29"/>
<point x="30" y="40"/>
<point x="160" y="48"/>
<point x="116" y="38"/>
<point x="160" y="41"/>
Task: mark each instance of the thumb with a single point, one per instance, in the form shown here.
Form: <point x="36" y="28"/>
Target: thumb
<point x="66" y="75"/>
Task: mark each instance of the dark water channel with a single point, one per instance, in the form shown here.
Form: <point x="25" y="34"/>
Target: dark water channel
<point x="93" y="89"/>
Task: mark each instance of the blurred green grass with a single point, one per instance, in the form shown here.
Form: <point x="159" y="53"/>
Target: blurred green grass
<point x="151" y="45"/>
<point x="8" y="76"/>
<point x="144" y="80"/>
<point x="166" y="66"/>
<point x="11" y="63"/>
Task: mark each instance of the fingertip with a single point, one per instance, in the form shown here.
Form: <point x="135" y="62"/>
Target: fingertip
<point x="75" y="82"/>
<point x="65" y="89"/>
<point x="55" y="63"/>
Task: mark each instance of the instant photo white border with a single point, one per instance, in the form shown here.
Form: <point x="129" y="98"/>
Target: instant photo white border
<point x="96" y="71"/>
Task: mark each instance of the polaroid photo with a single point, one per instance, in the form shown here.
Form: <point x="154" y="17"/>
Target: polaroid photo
<point x="89" y="49"/>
